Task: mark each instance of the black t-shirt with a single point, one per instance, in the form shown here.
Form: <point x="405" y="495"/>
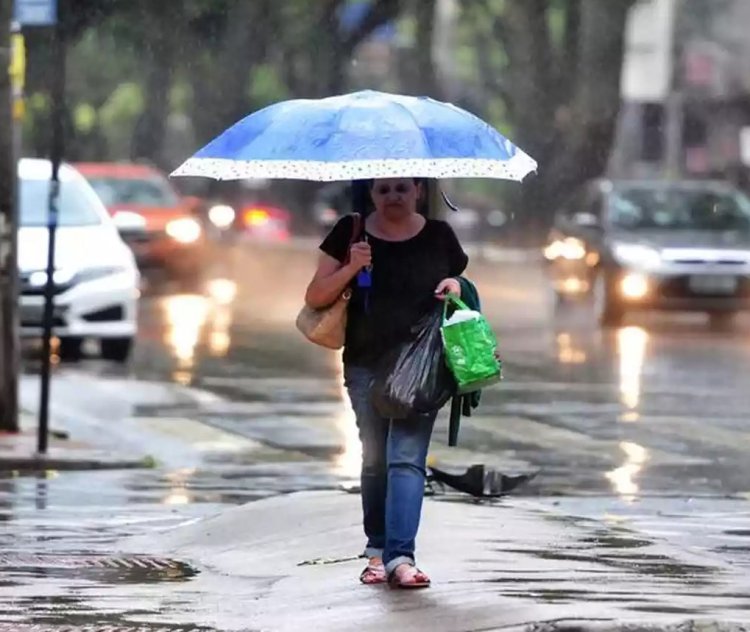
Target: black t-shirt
<point x="404" y="277"/>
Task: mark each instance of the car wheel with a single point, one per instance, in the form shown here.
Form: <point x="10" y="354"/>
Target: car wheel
<point x="70" y="348"/>
<point x="608" y="311"/>
<point x="721" y="321"/>
<point x="116" y="349"/>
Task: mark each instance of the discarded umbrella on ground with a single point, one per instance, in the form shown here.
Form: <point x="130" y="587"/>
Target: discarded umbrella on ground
<point x="479" y="481"/>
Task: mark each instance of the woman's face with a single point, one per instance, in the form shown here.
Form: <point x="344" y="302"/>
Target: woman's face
<point x="395" y="197"/>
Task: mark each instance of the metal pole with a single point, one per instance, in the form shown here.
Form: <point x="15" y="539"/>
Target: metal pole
<point x="8" y="227"/>
<point x="674" y="104"/>
<point x="58" y="148"/>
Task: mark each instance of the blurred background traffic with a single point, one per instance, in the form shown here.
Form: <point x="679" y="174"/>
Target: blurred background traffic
<point x="653" y="95"/>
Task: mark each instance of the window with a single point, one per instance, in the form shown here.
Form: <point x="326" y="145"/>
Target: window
<point x="136" y="191"/>
<point x="680" y="208"/>
<point x="77" y="205"/>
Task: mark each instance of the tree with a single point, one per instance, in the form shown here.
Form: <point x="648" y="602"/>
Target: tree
<point x="226" y="41"/>
<point x="160" y="30"/>
<point x="555" y="66"/>
<point x="317" y="46"/>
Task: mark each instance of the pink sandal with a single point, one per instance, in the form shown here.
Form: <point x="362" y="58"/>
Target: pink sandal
<point x="412" y="578"/>
<point x="373" y="574"/>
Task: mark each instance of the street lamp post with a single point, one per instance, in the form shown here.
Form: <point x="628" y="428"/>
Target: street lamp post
<point x="56" y="156"/>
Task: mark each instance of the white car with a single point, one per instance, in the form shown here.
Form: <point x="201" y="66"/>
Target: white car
<point x="96" y="277"/>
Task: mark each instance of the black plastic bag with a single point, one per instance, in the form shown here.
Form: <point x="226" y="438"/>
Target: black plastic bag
<point x="414" y="378"/>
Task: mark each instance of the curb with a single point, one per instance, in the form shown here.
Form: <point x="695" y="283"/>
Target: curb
<point x="37" y="463"/>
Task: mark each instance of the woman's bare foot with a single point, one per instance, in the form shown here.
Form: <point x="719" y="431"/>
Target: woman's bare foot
<point x="408" y="576"/>
<point x="374" y="572"/>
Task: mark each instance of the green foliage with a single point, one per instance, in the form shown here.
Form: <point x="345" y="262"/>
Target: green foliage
<point x="180" y="96"/>
<point x="98" y="63"/>
<point x="84" y="118"/>
<point x="36" y="124"/>
<point x="266" y="86"/>
<point x="118" y="117"/>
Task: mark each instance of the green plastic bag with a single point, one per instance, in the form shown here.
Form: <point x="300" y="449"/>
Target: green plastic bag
<point x="470" y="349"/>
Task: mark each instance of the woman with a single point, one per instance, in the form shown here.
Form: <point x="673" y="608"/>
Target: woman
<point x="399" y="265"/>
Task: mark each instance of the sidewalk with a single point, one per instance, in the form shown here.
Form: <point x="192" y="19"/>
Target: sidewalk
<point x="289" y="563"/>
<point x="18" y="451"/>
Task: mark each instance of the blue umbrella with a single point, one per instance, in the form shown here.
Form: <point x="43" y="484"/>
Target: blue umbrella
<point x="359" y="136"/>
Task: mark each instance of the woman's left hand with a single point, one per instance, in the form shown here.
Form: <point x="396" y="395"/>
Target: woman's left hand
<point x="448" y="286"/>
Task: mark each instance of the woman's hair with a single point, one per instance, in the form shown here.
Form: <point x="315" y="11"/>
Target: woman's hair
<point x="371" y="182"/>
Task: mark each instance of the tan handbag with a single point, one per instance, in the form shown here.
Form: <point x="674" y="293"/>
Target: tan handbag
<point x="327" y="326"/>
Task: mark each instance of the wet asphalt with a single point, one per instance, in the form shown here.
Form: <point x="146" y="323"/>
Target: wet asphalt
<point x="644" y="427"/>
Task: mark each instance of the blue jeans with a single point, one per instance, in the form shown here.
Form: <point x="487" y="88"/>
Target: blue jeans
<point x="394" y="455"/>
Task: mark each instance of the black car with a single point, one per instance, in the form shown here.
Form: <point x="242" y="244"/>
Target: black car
<point x="633" y="245"/>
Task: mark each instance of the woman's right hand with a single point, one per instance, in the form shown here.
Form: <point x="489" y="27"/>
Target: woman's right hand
<point x="360" y="256"/>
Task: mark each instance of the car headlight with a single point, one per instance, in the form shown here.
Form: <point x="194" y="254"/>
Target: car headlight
<point x="569" y="248"/>
<point x="636" y="255"/>
<point x="61" y="277"/>
<point x="634" y="285"/>
<point x="185" y="230"/>
<point x="221" y="215"/>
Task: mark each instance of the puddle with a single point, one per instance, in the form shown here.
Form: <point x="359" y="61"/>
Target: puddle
<point x="609" y="541"/>
<point x="744" y="533"/>
<point x="62" y="613"/>
<point x="97" y="624"/>
<point x="552" y="595"/>
<point x="659" y="566"/>
<point x="660" y="609"/>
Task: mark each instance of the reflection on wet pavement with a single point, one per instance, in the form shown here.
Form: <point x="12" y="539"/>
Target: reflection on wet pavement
<point x="623" y="478"/>
<point x="631" y="347"/>
<point x="185" y="317"/>
<point x="348" y="462"/>
<point x="568" y="353"/>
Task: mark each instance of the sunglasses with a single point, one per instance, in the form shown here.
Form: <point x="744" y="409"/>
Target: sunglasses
<point x="385" y="189"/>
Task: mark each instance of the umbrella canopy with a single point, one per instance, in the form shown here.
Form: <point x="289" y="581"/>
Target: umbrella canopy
<point x="359" y="136"/>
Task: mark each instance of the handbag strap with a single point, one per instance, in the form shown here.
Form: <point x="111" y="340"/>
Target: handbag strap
<point x="356" y="232"/>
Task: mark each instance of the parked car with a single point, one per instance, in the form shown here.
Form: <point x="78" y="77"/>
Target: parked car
<point x="155" y="221"/>
<point x="634" y="245"/>
<point x="96" y="278"/>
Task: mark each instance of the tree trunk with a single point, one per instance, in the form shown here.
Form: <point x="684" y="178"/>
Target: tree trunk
<point x="220" y="80"/>
<point x="565" y="97"/>
<point x="427" y="82"/>
<point x="159" y="60"/>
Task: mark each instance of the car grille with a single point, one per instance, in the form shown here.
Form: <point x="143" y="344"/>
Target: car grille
<point x="106" y="315"/>
<point x="144" y="238"/>
<point x="32" y="316"/>
<point x="679" y="287"/>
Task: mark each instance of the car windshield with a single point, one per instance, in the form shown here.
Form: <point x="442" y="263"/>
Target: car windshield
<point x="694" y="209"/>
<point x="77" y="204"/>
<point x="139" y="191"/>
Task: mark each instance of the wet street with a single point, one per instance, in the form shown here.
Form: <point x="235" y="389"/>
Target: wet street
<point x="644" y="428"/>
